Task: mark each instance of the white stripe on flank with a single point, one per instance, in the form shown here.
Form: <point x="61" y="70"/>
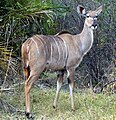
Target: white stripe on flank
<point x="36" y="45"/>
<point x="65" y="48"/>
<point x="37" y="36"/>
<point x="28" y="52"/>
<point x="27" y="64"/>
<point x="62" y="51"/>
<point x="57" y="47"/>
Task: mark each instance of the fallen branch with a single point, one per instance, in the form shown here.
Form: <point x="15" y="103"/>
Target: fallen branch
<point x="109" y="83"/>
<point x="11" y="87"/>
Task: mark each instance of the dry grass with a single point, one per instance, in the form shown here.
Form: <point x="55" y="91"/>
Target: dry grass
<point x="89" y="106"/>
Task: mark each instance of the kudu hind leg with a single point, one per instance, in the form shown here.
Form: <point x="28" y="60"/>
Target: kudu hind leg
<point x="28" y="84"/>
<point x="59" y="85"/>
<point x="70" y="78"/>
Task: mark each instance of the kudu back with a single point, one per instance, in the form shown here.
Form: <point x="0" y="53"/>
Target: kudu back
<point x="60" y="52"/>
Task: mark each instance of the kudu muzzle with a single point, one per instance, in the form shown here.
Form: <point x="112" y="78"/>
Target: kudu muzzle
<point x="94" y="25"/>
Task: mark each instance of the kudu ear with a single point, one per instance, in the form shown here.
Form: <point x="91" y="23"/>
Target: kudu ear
<point x="81" y="10"/>
<point x="99" y="10"/>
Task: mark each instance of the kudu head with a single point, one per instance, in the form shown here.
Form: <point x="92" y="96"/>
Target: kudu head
<point x="90" y="16"/>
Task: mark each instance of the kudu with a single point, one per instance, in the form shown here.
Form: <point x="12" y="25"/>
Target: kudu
<point x="60" y="52"/>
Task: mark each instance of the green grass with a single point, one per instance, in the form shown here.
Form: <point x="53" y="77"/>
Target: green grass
<point x="89" y="106"/>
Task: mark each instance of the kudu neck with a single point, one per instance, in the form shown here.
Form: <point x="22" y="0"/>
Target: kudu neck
<point x="86" y="38"/>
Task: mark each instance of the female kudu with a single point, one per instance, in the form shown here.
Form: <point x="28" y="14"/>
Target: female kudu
<point x="61" y="52"/>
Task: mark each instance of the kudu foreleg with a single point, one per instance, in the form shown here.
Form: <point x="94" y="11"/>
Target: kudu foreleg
<point x="70" y="78"/>
<point x="59" y="85"/>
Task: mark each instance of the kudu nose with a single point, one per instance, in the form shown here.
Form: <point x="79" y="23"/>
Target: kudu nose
<point x="94" y="25"/>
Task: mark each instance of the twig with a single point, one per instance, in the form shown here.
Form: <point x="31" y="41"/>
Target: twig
<point x="11" y="88"/>
<point x="6" y="89"/>
<point x="109" y="83"/>
<point x="7" y="69"/>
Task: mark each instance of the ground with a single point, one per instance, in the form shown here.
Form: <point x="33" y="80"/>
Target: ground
<point x="89" y="106"/>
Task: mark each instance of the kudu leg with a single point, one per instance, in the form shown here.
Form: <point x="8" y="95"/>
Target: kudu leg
<point x="70" y="78"/>
<point x="59" y="84"/>
<point x="28" y="84"/>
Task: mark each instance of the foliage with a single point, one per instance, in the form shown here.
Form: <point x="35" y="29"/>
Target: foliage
<point x="20" y="20"/>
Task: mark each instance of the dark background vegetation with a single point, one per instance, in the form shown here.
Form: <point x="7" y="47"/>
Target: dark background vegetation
<point x="20" y="19"/>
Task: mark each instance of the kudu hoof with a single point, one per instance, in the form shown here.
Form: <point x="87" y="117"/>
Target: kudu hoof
<point x="55" y="108"/>
<point x="29" y="116"/>
<point x="72" y="109"/>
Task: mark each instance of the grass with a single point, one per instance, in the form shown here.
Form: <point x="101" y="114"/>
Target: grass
<point x="89" y="106"/>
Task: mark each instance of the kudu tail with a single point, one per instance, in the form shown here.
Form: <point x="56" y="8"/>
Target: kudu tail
<point x="25" y="60"/>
